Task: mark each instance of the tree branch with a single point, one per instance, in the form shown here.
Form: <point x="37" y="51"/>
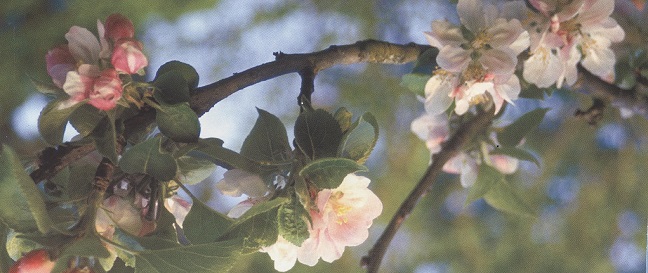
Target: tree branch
<point x="450" y="148"/>
<point x="52" y="160"/>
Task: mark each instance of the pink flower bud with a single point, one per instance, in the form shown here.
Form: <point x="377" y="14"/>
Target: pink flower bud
<point x="59" y="62"/>
<point x="128" y="57"/>
<point x="118" y="27"/>
<point x="36" y="261"/>
<point x="107" y="90"/>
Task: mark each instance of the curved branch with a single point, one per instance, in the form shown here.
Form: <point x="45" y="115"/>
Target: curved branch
<point x="449" y="149"/>
<point x="52" y="160"/>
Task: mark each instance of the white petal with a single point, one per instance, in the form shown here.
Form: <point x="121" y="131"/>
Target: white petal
<point x="504" y="33"/>
<point x="599" y="60"/>
<point x="543" y="68"/>
<point x="521" y="43"/>
<point x="514" y="10"/>
<point x="469" y="171"/>
<point x="83" y="45"/>
<point x="453" y="58"/>
<point x="433" y="129"/>
<point x="471" y="14"/>
<point x="570" y="71"/>
<point x="437" y="94"/>
<point x="595" y="11"/>
<point x="510" y="90"/>
<point x="444" y="33"/>
<point x="499" y="61"/>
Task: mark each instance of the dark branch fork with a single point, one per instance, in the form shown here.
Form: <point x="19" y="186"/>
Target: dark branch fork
<point x="52" y="160"/>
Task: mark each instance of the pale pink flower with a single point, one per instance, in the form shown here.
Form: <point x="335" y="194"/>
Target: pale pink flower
<point x="106" y="91"/>
<point x="341" y="218"/>
<point x="433" y="129"/>
<point x="59" y="62"/>
<point x="283" y="253"/>
<point x="566" y="33"/>
<point x="118" y="212"/>
<point x="236" y="182"/>
<point x="178" y="207"/>
<point x="478" y="61"/>
<point x="128" y="57"/>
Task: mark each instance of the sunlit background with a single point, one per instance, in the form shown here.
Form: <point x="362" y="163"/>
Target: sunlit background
<point x="589" y="194"/>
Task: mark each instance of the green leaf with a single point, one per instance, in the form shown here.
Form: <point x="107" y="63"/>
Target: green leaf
<point x="48" y="88"/>
<point x="148" y="158"/>
<point x="88" y="246"/>
<point x="268" y="140"/>
<point x="173" y="87"/>
<point x="487" y="177"/>
<point x="415" y="82"/>
<point x="187" y="71"/>
<point x="23" y="209"/>
<point x="503" y="197"/>
<point x="257" y="227"/>
<point x="178" y="122"/>
<point x="225" y="157"/>
<point x="52" y="120"/>
<point x="192" y="170"/>
<point x="512" y="134"/>
<point x="79" y="183"/>
<point x="5" y="260"/>
<point x="516" y="153"/>
<point x="104" y="137"/>
<point x="343" y="117"/>
<point x="86" y="118"/>
<point x="203" y="224"/>
<point x="328" y="173"/>
<point x="291" y="219"/>
<point x="317" y="134"/>
<point x="426" y="62"/>
<point x="360" y="139"/>
<point x="207" y="258"/>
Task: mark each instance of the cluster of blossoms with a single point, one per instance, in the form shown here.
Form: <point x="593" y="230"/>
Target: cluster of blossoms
<point x="477" y="60"/>
<point x="88" y="69"/>
<point x="340" y="217"/>
<point x="433" y="129"/>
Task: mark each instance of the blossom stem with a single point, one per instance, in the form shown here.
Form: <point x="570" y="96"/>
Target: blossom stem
<point x="450" y="148"/>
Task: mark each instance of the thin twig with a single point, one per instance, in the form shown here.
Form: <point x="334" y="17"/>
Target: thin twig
<point x="449" y="149"/>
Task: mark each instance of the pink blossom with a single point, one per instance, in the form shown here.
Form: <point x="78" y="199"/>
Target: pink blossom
<point x="178" y="207"/>
<point x="127" y="56"/>
<point x="475" y="60"/>
<point x="106" y="91"/>
<point x="566" y="33"/>
<point x="341" y="218"/>
<point x="119" y="26"/>
<point x="433" y="129"/>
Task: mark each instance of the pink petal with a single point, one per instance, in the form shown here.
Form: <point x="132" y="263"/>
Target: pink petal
<point x="594" y="12"/>
<point x="118" y="27"/>
<point x="107" y="90"/>
<point x="444" y="33"/>
<point x="504" y="32"/>
<point x="504" y="164"/>
<point x="128" y="56"/>
<point x="59" y="61"/>
<point x="77" y="86"/>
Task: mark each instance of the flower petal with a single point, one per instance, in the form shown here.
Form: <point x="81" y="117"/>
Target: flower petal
<point x="83" y="45"/>
<point x="444" y="33"/>
<point x="236" y="182"/>
<point x="471" y="14"/>
<point x="469" y="171"/>
<point x="107" y="90"/>
<point x="437" y="93"/>
<point x="543" y="67"/>
<point x="453" y="58"/>
<point x="128" y="56"/>
<point x="499" y="61"/>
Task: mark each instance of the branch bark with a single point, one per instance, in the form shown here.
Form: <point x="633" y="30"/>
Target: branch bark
<point x="449" y="149"/>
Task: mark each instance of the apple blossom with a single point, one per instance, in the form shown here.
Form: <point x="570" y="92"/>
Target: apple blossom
<point x="236" y="182"/>
<point x="36" y="261"/>
<point x="341" y="217"/>
<point x="566" y="33"/>
<point x="127" y="56"/>
<point x="476" y="58"/>
<point x="81" y="67"/>
<point x="433" y="129"/>
<point x="178" y="207"/>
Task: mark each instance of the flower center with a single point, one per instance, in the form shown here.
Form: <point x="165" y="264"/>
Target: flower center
<point x="474" y="72"/>
<point x="481" y="41"/>
<point x="340" y="209"/>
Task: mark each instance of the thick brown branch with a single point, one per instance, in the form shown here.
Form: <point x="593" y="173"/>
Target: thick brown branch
<point x="204" y="98"/>
<point x="450" y="149"/>
<point x="369" y="51"/>
<point x="632" y="100"/>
